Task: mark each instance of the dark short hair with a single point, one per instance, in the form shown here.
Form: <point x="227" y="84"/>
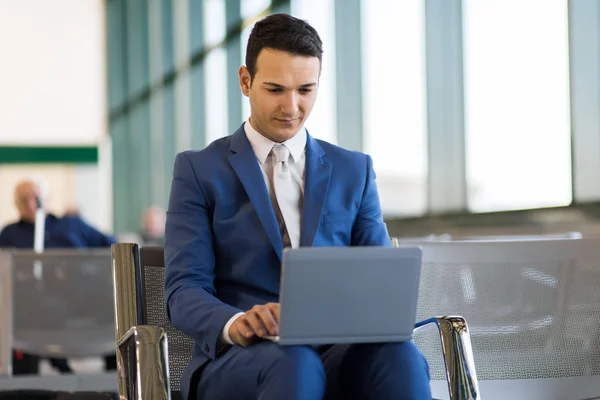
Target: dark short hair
<point x="285" y="33"/>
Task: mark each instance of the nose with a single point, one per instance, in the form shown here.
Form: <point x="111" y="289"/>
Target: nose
<point x="289" y="105"/>
<point x="32" y="204"/>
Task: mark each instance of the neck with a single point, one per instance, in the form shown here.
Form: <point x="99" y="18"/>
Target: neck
<point x="253" y="125"/>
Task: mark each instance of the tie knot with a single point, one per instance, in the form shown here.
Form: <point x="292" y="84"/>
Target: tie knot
<point x="281" y="153"/>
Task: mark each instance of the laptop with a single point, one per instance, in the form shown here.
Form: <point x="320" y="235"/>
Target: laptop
<point x="348" y="295"/>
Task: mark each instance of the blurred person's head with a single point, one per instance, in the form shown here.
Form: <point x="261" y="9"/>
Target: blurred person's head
<point x="281" y="75"/>
<point x="72" y="211"/>
<point x="153" y="222"/>
<point x="27" y="193"/>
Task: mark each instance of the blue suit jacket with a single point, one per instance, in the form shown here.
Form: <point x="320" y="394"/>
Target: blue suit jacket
<point x="222" y="242"/>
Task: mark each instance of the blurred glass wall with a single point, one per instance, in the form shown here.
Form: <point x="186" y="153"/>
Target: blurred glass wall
<point x="465" y="106"/>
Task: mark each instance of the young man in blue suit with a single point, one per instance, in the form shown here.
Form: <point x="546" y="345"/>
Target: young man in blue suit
<point x="236" y="204"/>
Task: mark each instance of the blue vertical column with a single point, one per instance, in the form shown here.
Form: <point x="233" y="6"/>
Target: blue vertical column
<point x="157" y="62"/>
<point x="198" y="86"/>
<point x="233" y="17"/>
<point x="281" y="7"/>
<point x="584" y="63"/>
<point x="348" y="74"/>
<point x="445" y="106"/>
<point x="117" y="97"/>
<point x="139" y="191"/>
<point x="163" y="177"/>
<point x="197" y="82"/>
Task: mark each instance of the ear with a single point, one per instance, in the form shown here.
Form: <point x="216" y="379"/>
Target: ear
<point x="245" y="80"/>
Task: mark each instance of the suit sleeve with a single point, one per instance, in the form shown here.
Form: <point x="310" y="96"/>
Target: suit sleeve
<point x="4" y="239"/>
<point x="93" y="237"/>
<point x="190" y="293"/>
<point x="369" y="228"/>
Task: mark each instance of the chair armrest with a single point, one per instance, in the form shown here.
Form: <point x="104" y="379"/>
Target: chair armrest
<point x="458" y="356"/>
<point x="143" y="364"/>
<point x="6" y="313"/>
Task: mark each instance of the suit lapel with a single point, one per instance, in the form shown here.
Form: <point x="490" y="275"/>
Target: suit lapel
<point x="318" y="172"/>
<point x="244" y="163"/>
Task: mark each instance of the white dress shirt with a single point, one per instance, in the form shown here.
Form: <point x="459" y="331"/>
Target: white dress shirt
<point x="262" y="150"/>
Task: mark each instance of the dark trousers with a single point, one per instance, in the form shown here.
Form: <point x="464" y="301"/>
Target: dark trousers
<point x="25" y="364"/>
<point x="267" y="371"/>
<point x="28" y="364"/>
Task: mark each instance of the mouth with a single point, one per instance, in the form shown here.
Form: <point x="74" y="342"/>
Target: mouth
<point x="286" y="120"/>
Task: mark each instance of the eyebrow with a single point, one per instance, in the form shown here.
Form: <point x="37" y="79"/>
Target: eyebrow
<point x="277" y="85"/>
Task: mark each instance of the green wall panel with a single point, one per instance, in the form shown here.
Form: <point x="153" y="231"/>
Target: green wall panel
<point x="48" y="154"/>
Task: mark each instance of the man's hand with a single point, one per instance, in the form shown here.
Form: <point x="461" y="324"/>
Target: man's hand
<point x="256" y="323"/>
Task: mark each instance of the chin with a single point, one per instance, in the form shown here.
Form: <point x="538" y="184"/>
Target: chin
<point x="287" y="132"/>
<point x="283" y="136"/>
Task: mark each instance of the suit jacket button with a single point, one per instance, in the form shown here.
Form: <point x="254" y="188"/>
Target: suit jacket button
<point x="206" y="348"/>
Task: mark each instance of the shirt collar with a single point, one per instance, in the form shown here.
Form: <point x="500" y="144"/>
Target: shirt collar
<point x="262" y="146"/>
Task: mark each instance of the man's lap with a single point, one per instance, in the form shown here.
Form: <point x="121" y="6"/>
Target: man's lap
<point x="237" y="372"/>
<point x="240" y="370"/>
<point x="352" y="369"/>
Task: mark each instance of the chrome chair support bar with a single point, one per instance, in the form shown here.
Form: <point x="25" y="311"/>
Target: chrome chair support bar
<point x="458" y="356"/>
<point x="143" y="354"/>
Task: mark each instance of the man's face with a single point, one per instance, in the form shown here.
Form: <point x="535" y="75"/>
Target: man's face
<point x="26" y="194"/>
<point x="282" y="93"/>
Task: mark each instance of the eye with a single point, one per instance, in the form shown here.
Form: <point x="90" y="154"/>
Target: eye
<point x="274" y="90"/>
<point x="305" y="90"/>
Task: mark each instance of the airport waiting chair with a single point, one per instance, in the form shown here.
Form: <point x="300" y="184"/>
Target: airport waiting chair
<point x="6" y="310"/>
<point x="533" y="308"/>
<point x="445" y="237"/>
<point x="149" y="368"/>
<point x="56" y="304"/>
<point x="518" y="238"/>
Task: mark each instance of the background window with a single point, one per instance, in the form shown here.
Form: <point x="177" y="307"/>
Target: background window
<point x="394" y="102"/>
<point x="517" y="104"/>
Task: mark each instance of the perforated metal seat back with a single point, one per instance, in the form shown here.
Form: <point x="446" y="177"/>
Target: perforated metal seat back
<point x="155" y="313"/>
<point x="63" y="302"/>
<point x="533" y="308"/>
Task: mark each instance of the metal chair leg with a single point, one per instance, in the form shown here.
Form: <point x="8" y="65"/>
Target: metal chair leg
<point x="458" y="356"/>
<point x="143" y="368"/>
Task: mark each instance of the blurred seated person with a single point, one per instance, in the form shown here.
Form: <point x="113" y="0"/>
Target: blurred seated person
<point x="69" y="231"/>
<point x="72" y="211"/>
<point x="153" y="226"/>
<point x="152" y="231"/>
